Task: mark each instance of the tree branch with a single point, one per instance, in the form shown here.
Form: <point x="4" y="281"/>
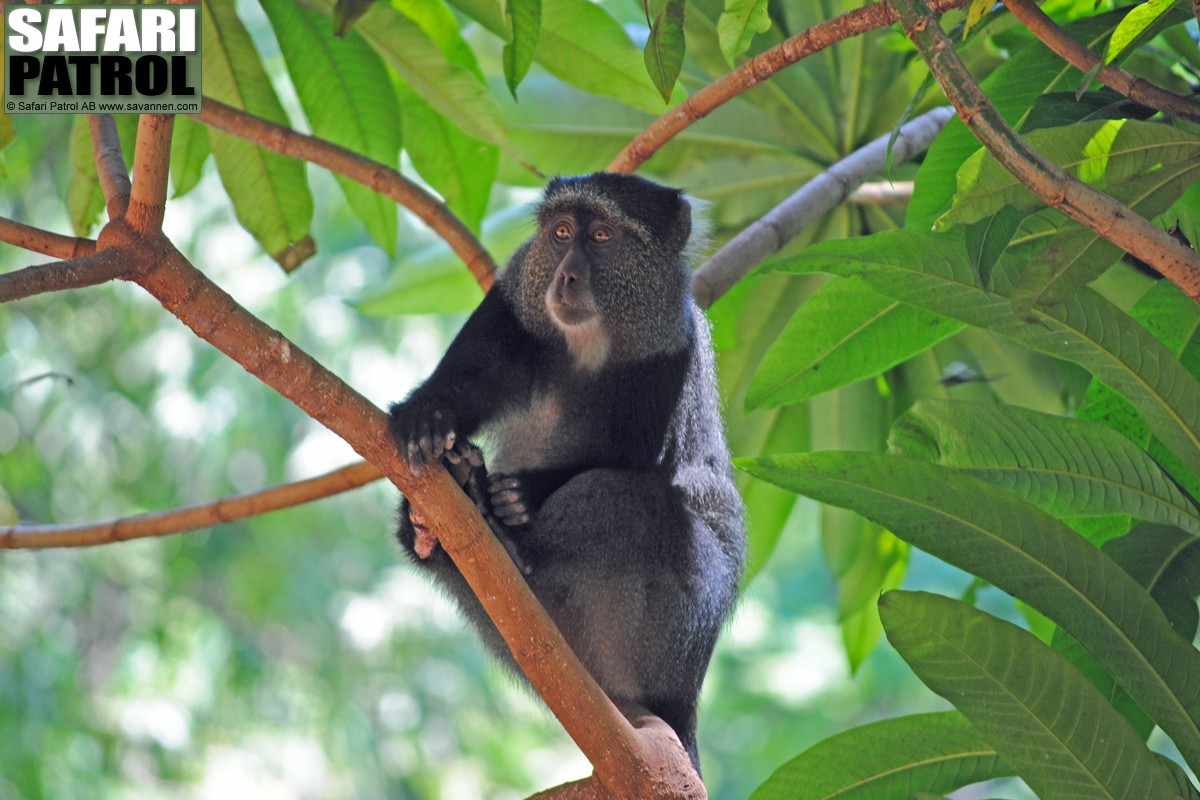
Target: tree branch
<point x="1077" y="55"/>
<point x="754" y="71"/>
<point x="882" y="193"/>
<point x="375" y="176"/>
<point x="189" y="518"/>
<point x="45" y="242"/>
<point x="110" y="164"/>
<point x="619" y="753"/>
<point x="1099" y="212"/>
<point x="74" y="273"/>
<point x="766" y="236"/>
<point x="151" y="163"/>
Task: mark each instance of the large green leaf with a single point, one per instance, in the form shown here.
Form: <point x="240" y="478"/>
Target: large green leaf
<point x="462" y="169"/>
<point x="892" y="758"/>
<point x="738" y="24"/>
<point x="584" y="46"/>
<point x="342" y="85"/>
<point x="1174" y="319"/>
<point x="844" y="333"/>
<point x="1065" y="466"/>
<point x="189" y="151"/>
<point x="270" y="193"/>
<point x="930" y="272"/>
<point x="1019" y="548"/>
<point x="1166" y="561"/>
<point x="1146" y="166"/>
<point x="1044" y="719"/>
<point x="453" y="90"/>
<point x="864" y="557"/>
<point x="665" y="48"/>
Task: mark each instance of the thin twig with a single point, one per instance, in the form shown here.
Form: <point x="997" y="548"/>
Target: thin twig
<point x="375" y="176"/>
<point x="44" y="242"/>
<point x="190" y="518"/>
<point x="1079" y="56"/>
<point x="754" y="71"/>
<point x="110" y="164"/>
<point x="777" y="227"/>
<point x="1101" y="213"/>
<point x="151" y="163"/>
<point x="73" y="273"/>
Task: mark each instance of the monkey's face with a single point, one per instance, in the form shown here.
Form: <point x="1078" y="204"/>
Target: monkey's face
<point x="605" y="269"/>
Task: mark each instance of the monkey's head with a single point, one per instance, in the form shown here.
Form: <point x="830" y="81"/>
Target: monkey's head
<point x="606" y="269"/>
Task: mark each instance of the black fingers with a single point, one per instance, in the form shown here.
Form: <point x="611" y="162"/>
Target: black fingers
<point x="423" y="434"/>
<point x="509" y="502"/>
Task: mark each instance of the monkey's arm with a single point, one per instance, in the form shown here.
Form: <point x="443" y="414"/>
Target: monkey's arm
<point x="486" y="369"/>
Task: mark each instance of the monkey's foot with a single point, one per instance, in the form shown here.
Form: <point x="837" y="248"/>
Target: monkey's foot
<point x="423" y="435"/>
<point x="509" y="501"/>
<point x="425" y="542"/>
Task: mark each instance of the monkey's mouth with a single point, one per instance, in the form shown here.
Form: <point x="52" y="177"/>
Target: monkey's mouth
<point x="567" y="308"/>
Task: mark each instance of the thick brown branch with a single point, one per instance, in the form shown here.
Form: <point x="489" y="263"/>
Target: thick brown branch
<point x="754" y="71"/>
<point x="372" y="174"/>
<point x="110" y="164"/>
<point x="1099" y="212"/>
<point x="44" y="242"/>
<point x="1077" y="55"/>
<point x="73" y="273"/>
<point x="607" y="739"/>
<point x="190" y="518"/>
<point x="764" y="237"/>
<point x="151" y="163"/>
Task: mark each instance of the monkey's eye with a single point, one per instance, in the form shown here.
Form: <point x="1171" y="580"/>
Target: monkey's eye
<point x="563" y="232"/>
<point x="602" y="235"/>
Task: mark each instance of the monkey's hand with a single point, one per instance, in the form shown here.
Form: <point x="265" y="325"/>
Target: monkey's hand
<point x="422" y="433"/>
<point x="510" y="502"/>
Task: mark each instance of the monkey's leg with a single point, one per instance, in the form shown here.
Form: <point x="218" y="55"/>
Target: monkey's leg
<point x="638" y="582"/>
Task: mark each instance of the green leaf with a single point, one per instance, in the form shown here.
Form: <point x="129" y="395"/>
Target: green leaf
<point x="929" y="272"/>
<point x="523" y="19"/>
<point x="1144" y="165"/>
<point x="1106" y="154"/>
<point x="343" y="87"/>
<point x="189" y="151"/>
<point x="1064" y="466"/>
<point x="665" y="48"/>
<point x="987" y="240"/>
<point x="270" y="192"/>
<point x="584" y="46"/>
<point x="844" y="333"/>
<point x="1044" y="719"/>
<point x="433" y="281"/>
<point x="975" y="13"/>
<point x="453" y="90"/>
<point x="1137" y="22"/>
<point x="1173" y="319"/>
<point x="738" y="24"/>
<point x="460" y="168"/>
<point x="937" y="753"/>
<point x="1013" y="89"/>
<point x="1024" y="551"/>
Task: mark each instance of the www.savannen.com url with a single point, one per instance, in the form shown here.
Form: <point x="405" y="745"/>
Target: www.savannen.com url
<point x="94" y="106"/>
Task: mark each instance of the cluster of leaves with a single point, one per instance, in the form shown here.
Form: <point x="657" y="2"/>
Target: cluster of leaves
<point x="1088" y="516"/>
